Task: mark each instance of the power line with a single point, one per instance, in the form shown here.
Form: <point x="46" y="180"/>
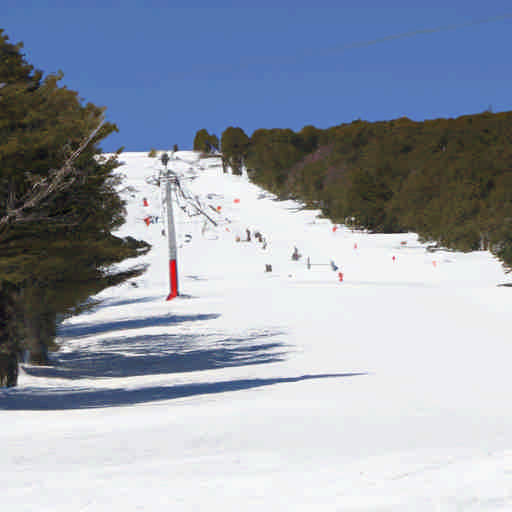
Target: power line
<point x="257" y="64"/>
<point x="426" y="31"/>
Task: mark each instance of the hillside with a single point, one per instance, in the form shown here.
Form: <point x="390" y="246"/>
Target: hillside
<point x="448" y="180"/>
<point x="283" y="390"/>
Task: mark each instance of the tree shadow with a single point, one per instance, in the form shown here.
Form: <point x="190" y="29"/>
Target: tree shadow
<point x="295" y="209"/>
<point x="65" y="399"/>
<point x="161" y="354"/>
<point x="88" y="329"/>
<point x="124" y="302"/>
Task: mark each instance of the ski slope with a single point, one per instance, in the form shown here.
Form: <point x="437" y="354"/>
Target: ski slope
<point x="287" y="390"/>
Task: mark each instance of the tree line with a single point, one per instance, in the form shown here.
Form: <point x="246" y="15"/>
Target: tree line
<point x="59" y="207"/>
<point x="449" y="180"/>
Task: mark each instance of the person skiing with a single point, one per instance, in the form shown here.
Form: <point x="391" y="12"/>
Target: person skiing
<point x="164" y="159"/>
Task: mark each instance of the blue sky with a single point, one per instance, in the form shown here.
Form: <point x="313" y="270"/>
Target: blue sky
<point x="166" y="69"/>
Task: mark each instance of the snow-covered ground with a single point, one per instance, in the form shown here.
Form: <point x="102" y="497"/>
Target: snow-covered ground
<point x="287" y="390"/>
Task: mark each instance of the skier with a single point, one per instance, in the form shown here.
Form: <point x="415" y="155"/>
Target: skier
<point x="296" y="255"/>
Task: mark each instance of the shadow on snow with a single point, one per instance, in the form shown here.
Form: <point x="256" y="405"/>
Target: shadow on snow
<point x="88" y="329"/>
<point x="136" y="355"/>
<point x="124" y="302"/>
<point x="162" y="354"/>
<point x="61" y="399"/>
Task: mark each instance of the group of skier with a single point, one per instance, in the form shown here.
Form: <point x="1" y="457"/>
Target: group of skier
<point x="257" y="236"/>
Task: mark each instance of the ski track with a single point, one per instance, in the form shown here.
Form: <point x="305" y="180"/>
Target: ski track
<point x="289" y="390"/>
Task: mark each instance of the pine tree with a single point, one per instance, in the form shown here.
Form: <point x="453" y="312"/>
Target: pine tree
<point x="201" y="140"/>
<point x="205" y="142"/>
<point x="58" y="205"/>
<point x="235" y="146"/>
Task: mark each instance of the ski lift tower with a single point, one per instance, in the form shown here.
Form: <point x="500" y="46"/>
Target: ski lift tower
<point x="170" y="179"/>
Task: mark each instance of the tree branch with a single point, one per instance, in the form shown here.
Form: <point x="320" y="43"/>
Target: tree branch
<point x="57" y="181"/>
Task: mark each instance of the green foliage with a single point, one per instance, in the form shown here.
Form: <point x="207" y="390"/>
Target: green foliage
<point x="449" y="180"/>
<point x="204" y="142"/>
<point x="273" y="153"/>
<point x="200" y="140"/>
<point x="235" y="145"/>
<point x="153" y="153"/>
<point x="214" y="142"/>
<point x="10" y="313"/>
<point x="58" y="253"/>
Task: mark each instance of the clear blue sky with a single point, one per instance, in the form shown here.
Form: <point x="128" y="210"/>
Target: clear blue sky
<point x="165" y="69"/>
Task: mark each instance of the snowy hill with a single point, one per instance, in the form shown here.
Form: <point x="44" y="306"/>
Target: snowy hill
<point x="283" y="390"/>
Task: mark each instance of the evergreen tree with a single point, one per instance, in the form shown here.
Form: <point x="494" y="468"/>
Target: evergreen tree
<point x="58" y="205"/>
<point x="447" y="179"/>
<point x="213" y="142"/>
<point x="201" y="140"/>
<point x="235" y="146"/>
<point x="205" y="142"/>
<point x="271" y="155"/>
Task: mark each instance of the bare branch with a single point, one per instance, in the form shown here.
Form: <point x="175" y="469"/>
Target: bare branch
<point x="57" y="181"/>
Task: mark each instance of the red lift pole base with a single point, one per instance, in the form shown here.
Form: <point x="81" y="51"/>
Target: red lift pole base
<point x="173" y="280"/>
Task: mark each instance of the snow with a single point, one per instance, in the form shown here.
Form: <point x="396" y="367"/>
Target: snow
<point x="288" y="390"/>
